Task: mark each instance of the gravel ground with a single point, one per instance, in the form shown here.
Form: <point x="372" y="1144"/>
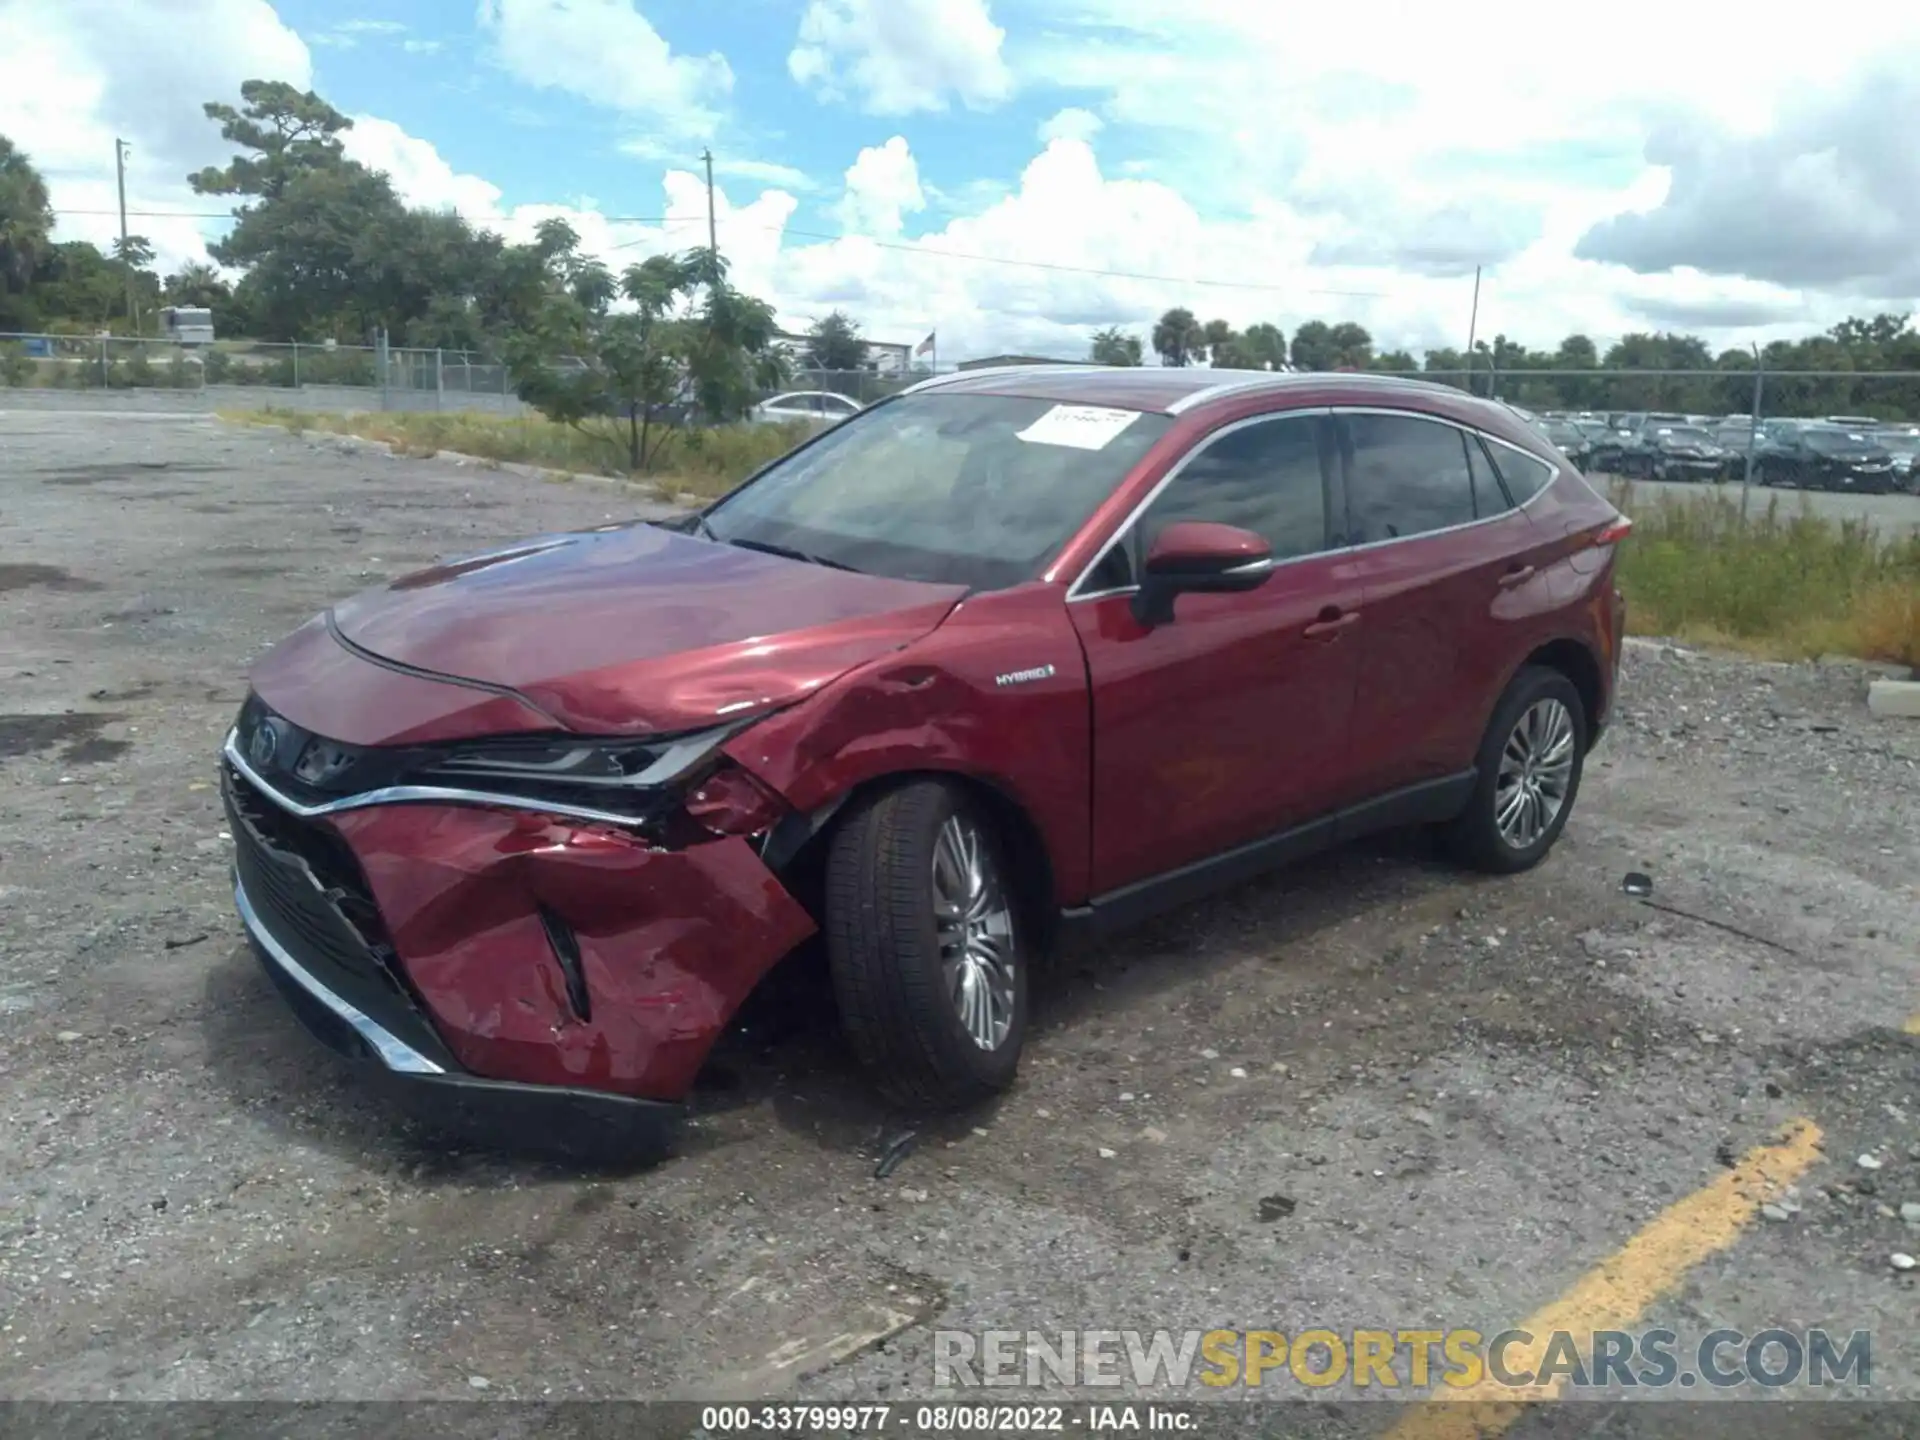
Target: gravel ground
<point x="1372" y="1091"/>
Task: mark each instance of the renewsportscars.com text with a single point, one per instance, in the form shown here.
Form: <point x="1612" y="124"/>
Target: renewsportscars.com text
<point x="1459" y="1359"/>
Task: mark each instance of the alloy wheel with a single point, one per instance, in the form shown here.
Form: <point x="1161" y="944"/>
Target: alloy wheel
<point x="1536" y="768"/>
<point x="974" y="922"/>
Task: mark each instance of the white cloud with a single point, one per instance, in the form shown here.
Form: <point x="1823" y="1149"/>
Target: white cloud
<point x="883" y="186"/>
<point x="608" y="53"/>
<point x="1073" y="123"/>
<point x="420" y="176"/>
<point x="896" y="57"/>
<point x="75" y="74"/>
<point x="763" y="172"/>
<point x="346" y="34"/>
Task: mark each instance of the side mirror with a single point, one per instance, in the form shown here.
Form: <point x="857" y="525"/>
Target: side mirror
<point x="1198" y="555"/>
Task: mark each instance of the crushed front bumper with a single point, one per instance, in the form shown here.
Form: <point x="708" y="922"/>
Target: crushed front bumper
<point x="519" y="965"/>
<point x="550" y="1117"/>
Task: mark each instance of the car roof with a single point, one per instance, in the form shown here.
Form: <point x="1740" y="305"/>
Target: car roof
<point x="1175" y="390"/>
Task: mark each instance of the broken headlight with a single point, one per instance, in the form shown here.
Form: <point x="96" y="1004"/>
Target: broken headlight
<point x="628" y="778"/>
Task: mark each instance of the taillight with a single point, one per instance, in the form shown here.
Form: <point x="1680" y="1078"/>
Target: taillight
<point x="732" y="802"/>
<point x="1614" y="531"/>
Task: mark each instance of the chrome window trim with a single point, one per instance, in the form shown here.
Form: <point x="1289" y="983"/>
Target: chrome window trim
<point x="394" y="1052"/>
<point x="424" y="794"/>
<point x="1075" y="594"/>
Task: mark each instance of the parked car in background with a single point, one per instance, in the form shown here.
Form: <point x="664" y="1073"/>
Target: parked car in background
<point x="1674" y="452"/>
<point x="1569" y="439"/>
<point x="1626" y="450"/>
<point x="1854" y="422"/>
<point x="1736" y="434"/>
<point x="819" y="406"/>
<point x="1902" y="444"/>
<point x="1018" y="652"/>
<point x="1818" y="456"/>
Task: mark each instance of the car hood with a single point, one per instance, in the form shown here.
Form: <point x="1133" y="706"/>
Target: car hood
<point x="633" y="629"/>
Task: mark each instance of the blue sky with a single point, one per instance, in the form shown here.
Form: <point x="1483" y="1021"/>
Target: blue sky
<point x="1016" y="173"/>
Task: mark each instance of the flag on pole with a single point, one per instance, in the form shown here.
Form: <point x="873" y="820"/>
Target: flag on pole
<point x="925" y="347"/>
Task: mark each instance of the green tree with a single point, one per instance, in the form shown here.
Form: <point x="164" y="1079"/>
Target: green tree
<point x="1395" y="362"/>
<point x="1114" y="346"/>
<point x="26" y="226"/>
<point x="688" y="342"/>
<point x="834" y="343"/>
<point x="1219" y="339"/>
<point x="1351" y="345"/>
<point x="1178" y="337"/>
<point x="1263" y="347"/>
<point x="289" y="132"/>
<point x="134" y="250"/>
<point x="1313" y="346"/>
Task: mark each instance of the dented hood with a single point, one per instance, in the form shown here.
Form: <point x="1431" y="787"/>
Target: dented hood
<point x="634" y="629"/>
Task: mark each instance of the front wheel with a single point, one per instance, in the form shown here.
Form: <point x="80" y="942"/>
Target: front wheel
<point x="926" y="946"/>
<point x="1529" y="770"/>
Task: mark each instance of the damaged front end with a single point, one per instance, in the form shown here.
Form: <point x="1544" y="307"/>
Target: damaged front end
<point x="530" y="921"/>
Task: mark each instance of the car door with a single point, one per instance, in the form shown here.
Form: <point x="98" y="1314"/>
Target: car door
<point x="1449" y="570"/>
<point x="1229" y="723"/>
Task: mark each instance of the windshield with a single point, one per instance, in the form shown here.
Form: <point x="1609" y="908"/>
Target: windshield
<point x="1901" y="442"/>
<point x="1561" y="433"/>
<point x="1839" y="442"/>
<point x="1686" y="435"/>
<point x="974" y="490"/>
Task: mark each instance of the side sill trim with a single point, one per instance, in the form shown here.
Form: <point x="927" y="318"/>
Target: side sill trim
<point x="1427" y="802"/>
<point x="394" y="1053"/>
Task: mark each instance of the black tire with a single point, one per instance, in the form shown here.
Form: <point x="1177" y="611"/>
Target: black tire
<point x="884" y="950"/>
<point x="1475" y="838"/>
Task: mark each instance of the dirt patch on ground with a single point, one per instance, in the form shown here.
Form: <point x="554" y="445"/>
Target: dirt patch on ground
<point x="51" y="577"/>
<point x="79" y="734"/>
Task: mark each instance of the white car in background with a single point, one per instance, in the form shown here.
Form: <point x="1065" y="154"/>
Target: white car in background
<point x="820" y="406"/>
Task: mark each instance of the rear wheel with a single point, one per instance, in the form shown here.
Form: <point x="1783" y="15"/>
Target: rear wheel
<point x="1529" y="770"/>
<point x="926" y="946"/>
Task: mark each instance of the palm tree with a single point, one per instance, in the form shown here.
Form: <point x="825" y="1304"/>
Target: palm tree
<point x="1113" y="346"/>
<point x="1178" y="337"/>
<point x="26" y="218"/>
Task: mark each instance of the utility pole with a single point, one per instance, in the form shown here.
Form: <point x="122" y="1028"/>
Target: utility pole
<point x="1753" y="429"/>
<point x="1473" y="324"/>
<point x="713" y="231"/>
<point x="120" y="148"/>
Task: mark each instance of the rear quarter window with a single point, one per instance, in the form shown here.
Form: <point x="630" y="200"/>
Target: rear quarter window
<point x="1526" y="475"/>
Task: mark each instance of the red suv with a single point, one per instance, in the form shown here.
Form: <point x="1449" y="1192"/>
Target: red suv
<point x="1016" y="651"/>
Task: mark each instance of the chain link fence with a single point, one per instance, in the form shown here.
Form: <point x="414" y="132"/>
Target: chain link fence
<point x="328" y="376"/>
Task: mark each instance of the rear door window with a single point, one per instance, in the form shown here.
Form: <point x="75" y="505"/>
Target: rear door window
<point x="1406" y="475"/>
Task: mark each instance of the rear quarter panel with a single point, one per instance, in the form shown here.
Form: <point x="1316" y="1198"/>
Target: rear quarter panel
<point x="997" y="693"/>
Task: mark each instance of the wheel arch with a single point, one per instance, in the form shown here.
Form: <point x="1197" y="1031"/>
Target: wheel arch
<point x="1033" y="875"/>
<point x="1575" y="660"/>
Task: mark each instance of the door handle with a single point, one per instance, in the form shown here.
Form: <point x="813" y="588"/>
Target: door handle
<point x="1517" y="576"/>
<point x="1331" y="621"/>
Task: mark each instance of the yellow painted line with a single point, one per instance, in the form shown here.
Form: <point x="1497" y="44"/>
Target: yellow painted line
<point x="1912" y="1027"/>
<point x="1618" y="1290"/>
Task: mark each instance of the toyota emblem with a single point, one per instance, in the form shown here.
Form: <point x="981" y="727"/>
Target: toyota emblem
<point x="264" y="744"/>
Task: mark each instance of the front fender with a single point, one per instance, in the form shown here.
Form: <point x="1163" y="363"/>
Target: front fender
<point x="997" y="693"/>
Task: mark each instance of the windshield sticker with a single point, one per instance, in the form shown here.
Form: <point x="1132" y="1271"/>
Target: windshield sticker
<point x="1080" y="427"/>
